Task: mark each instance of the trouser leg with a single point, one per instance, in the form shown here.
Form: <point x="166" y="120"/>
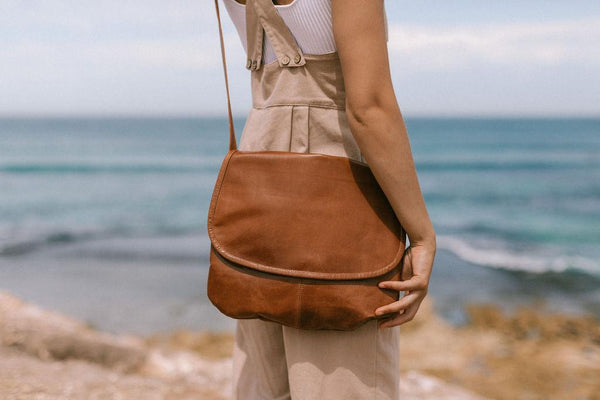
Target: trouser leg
<point x="259" y="363"/>
<point x="327" y="365"/>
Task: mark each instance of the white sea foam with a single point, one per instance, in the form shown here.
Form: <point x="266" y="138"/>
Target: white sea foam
<point x="500" y="256"/>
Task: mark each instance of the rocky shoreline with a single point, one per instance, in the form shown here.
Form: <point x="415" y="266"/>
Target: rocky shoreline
<point x="528" y="355"/>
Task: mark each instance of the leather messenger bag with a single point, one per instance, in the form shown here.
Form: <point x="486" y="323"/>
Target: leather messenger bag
<point x="301" y="239"/>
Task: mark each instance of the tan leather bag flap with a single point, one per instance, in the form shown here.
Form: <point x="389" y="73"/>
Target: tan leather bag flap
<point x="308" y="215"/>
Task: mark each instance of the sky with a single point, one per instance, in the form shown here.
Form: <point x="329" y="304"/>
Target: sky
<point x="162" y="58"/>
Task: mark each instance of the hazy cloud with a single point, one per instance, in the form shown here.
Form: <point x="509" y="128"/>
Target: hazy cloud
<point x="526" y="44"/>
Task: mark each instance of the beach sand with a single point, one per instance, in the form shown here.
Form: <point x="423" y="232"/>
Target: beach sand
<point x="529" y="354"/>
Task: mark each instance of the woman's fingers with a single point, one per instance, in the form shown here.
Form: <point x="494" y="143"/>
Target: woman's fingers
<point x="417" y="282"/>
<point x="400" y="318"/>
<point x="399" y="305"/>
<point x="407" y="315"/>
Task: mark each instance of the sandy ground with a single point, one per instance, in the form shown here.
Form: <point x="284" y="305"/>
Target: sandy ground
<point x="528" y="355"/>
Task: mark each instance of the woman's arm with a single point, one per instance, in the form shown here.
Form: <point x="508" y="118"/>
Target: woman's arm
<point x="379" y="130"/>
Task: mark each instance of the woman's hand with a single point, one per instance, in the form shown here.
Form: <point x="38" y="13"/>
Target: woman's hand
<point x="417" y="264"/>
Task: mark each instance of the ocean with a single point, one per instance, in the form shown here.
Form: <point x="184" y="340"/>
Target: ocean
<point x="105" y="218"/>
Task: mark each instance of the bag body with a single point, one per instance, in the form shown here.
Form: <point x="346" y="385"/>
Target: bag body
<point x="301" y="239"/>
<point x="301" y="233"/>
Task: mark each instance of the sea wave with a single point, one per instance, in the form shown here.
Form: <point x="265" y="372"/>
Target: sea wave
<point x="28" y="243"/>
<point x="184" y="245"/>
<point x="67" y="168"/>
<point x="502" y="165"/>
<point x="102" y="242"/>
<point x="210" y="163"/>
<point x="503" y="258"/>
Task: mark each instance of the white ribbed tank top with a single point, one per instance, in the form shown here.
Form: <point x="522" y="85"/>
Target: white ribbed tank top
<point x="308" y="20"/>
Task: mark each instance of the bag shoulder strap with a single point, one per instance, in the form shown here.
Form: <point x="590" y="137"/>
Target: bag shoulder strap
<point x="232" y="141"/>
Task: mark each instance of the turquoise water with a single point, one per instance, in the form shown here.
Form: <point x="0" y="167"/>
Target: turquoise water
<point x="522" y="194"/>
<point x="515" y="195"/>
<point x="518" y="194"/>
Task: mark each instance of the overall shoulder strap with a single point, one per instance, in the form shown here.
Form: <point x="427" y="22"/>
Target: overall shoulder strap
<point x="232" y="141"/>
<point x="288" y="53"/>
<point x="254" y="37"/>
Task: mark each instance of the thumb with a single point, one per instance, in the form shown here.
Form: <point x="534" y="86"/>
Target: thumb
<point x="406" y="265"/>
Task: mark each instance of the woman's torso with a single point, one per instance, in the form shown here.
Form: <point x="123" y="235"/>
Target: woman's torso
<point x="298" y="92"/>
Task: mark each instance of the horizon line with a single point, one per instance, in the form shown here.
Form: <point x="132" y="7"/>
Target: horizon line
<point x="6" y="116"/>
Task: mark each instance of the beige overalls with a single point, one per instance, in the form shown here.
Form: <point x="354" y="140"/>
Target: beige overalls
<point x="299" y="105"/>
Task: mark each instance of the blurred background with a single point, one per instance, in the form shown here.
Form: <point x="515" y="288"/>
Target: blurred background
<point x="113" y="127"/>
